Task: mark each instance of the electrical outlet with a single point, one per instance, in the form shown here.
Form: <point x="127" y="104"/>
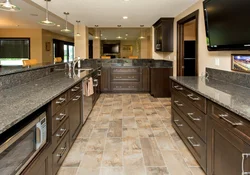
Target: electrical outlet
<point x="217" y="62"/>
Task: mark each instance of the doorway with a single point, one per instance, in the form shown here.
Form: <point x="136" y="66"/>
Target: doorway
<point x="187" y="45"/>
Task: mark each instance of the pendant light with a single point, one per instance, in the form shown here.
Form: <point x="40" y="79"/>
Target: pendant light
<point x="78" y="34"/>
<point x="66" y="30"/>
<point x="96" y="32"/>
<point x="142" y="37"/>
<point x="8" y="6"/>
<point x="47" y="22"/>
<point x="119" y="36"/>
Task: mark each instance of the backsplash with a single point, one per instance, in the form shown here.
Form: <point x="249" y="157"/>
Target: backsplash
<point x="237" y="78"/>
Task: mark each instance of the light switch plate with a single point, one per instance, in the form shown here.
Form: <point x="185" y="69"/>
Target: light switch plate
<point x="217" y="62"/>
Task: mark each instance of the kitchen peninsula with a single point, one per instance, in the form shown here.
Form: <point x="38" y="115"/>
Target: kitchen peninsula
<point x="54" y="91"/>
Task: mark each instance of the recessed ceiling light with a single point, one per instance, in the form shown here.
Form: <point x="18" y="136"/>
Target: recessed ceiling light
<point x="125" y="17"/>
<point x="105" y="38"/>
<point x="58" y="25"/>
<point x="125" y="38"/>
<point x="126" y="34"/>
<point x="119" y="37"/>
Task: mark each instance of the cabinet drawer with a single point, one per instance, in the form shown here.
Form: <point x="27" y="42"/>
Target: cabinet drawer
<point x="129" y="86"/>
<point x="59" y="118"/>
<point x="195" y="99"/>
<point x="125" y="70"/>
<point x="125" y="77"/>
<point x="60" y="133"/>
<point x="194" y="117"/>
<point x="74" y="90"/>
<point x="59" y="102"/>
<point x="190" y="138"/>
<point x="235" y="123"/>
<point x="60" y="153"/>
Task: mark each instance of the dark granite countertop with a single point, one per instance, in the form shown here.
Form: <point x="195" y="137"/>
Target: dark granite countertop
<point x="233" y="97"/>
<point x="21" y="101"/>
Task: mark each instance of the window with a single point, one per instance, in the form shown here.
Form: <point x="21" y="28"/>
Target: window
<point x="64" y="50"/>
<point x="14" y="50"/>
<point x="68" y="52"/>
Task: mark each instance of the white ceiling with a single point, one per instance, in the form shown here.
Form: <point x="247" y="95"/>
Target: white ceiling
<point x="29" y="16"/>
<point x="109" y="13"/>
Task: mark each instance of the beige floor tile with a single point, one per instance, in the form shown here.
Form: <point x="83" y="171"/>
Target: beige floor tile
<point x="91" y="160"/>
<point x="197" y="171"/>
<point x="100" y="133"/>
<point x="87" y="129"/>
<point x="156" y="123"/>
<point x="134" y="171"/>
<point x="129" y="123"/>
<point x="115" y="128"/>
<point x="130" y="133"/>
<point x="157" y="171"/>
<point x="133" y="159"/>
<point x="88" y="171"/>
<point x="113" y="144"/>
<point x="151" y="153"/>
<point x="102" y="124"/>
<point x="175" y="163"/>
<point x="95" y="144"/>
<point x="142" y="122"/>
<point x="112" y="159"/>
<point x="116" y="114"/>
<point x="165" y="143"/>
<point x="131" y="145"/>
<point x="145" y="132"/>
<point x="67" y="171"/>
<point x="73" y="159"/>
<point x="111" y="171"/>
<point x="160" y="132"/>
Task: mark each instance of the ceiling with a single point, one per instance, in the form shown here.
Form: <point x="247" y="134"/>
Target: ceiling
<point x="29" y="16"/>
<point x="113" y="33"/>
<point x="109" y="13"/>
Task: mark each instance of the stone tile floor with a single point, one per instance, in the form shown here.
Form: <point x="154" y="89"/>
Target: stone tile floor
<point x="129" y="134"/>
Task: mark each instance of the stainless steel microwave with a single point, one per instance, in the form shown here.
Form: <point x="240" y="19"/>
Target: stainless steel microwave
<point x="18" y="150"/>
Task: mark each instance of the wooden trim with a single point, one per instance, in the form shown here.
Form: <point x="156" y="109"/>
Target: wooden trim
<point x="180" y="42"/>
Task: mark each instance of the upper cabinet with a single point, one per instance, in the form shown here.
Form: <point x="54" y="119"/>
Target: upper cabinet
<point x="164" y="35"/>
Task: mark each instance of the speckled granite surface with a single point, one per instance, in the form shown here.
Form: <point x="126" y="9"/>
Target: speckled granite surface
<point x="20" y="101"/>
<point x="234" y="98"/>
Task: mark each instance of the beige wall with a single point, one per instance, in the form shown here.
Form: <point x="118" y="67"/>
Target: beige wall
<point x="35" y="36"/>
<point x="127" y="53"/>
<point x="206" y="58"/>
<point x="189" y="31"/>
<point x="96" y="48"/>
<point x="47" y="36"/>
<point x="81" y="42"/>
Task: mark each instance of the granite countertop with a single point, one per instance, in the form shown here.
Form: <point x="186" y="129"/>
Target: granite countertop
<point x="233" y="97"/>
<point x="21" y="101"/>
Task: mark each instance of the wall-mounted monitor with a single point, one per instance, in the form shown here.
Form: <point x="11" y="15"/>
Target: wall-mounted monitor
<point x="227" y="24"/>
<point x="111" y="48"/>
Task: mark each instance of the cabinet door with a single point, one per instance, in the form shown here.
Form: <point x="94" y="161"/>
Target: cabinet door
<point x="42" y="165"/>
<point x="227" y="154"/>
<point x="105" y="79"/>
<point x="75" y="116"/>
<point x="145" y="79"/>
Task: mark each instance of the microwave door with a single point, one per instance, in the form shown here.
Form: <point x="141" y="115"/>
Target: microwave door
<point x="18" y="150"/>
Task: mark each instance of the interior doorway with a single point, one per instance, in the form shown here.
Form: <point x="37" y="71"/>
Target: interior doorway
<point x="187" y="45"/>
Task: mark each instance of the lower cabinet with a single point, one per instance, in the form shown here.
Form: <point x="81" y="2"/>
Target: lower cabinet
<point x="105" y="79"/>
<point x="42" y="165"/>
<point x="75" y="116"/>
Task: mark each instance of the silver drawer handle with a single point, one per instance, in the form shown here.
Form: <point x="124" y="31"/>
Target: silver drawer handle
<point x="61" y="118"/>
<point x="62" y="153"/>
<point x="225" y="117"/>
<point x="243" y="162"/>
<point x="176" y="122"/>
<point x="178" y="104"/>
<point x="62" y="134"/>
<point x="191" y="96"/>
<point x="178" y="88"/>
<point x="75" y="89"/>
<point x="77" y="98"/>
<point x="99" y="73"/>
<point x="191" y="115"/>
<point x="60" y="101"/>
<point x="190" y="139"/>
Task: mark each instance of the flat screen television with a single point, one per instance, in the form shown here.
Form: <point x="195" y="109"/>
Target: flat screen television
<point x="111" y="48"/>
<point x="227" y="24"/>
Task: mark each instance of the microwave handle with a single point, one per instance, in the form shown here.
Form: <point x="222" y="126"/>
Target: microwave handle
<point x="38" y="135"/>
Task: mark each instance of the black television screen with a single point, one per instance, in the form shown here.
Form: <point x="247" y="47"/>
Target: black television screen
<point x="111" y="48"/>
<point x="14" y="48"/>
<point x="227" y="24"/>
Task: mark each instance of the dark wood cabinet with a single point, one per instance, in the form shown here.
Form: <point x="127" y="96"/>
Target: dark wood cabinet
<point x="160" y="82"/>
<point x="42" y="164"/>
<point x="145" y="79"/>
<point x="105" y="79"/>
<point x="164" y="35"/>
<point x="75" y="116"/>
<point x="228" y="150"/>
